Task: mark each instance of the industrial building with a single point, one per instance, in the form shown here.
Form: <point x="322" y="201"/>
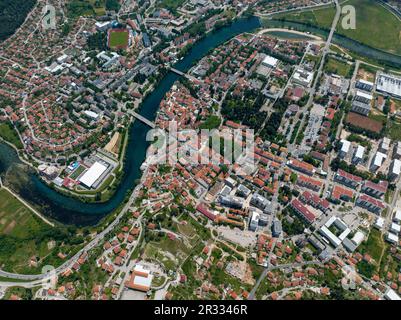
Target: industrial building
<point x="93" y="174"/>
<point x="388" y="84"/>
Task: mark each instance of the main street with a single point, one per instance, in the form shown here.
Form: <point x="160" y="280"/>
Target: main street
<point x="326" y="50"/>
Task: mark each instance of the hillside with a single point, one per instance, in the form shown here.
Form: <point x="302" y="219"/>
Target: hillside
<point x="12" y="15"/>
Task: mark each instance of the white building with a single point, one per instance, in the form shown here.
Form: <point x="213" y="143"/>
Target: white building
<point x="379" y="224"/>
<point x="397" y="216"/>
<point x="395" y="169"/>
<point x="103" y="26"/>
<point x="392" y="238"/>
<point x="254" y="220"/>
<point x="395" y="228"/>
<point x="345" y="147"/>
<point x="270" y="62"/>
<point x="358" y="238"/>
<point x="303" y="77"/>
<point x="91" y="114"/>
<point x="93" y="174"/>
<point x="385" y="145"/>
<point x="330" y="236"/>
<point x="388" y="84"/>
<point x="391" y="295"/>
<point x="358" y="156"/>
<point x="378" y="161"/>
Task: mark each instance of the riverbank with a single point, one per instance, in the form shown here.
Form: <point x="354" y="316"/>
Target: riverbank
<point x="68" y="210"/>
<point x="374" y="55"/>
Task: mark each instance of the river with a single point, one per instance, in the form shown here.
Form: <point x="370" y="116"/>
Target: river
<point x="387" y="58"/>
<point x="68" y="210"/>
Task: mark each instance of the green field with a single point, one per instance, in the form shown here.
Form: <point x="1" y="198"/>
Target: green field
<point x="118" y="39"/>
<point x="75" y="175"/>
<point x="20" y="232"/>
<point x="394" y="130"/>
<point x="171" y="5"/>
<point x="10" y="135"/>
<point x="77" y="8"/>
<point x="338" y="67"/>
<point x="375" y="25"/>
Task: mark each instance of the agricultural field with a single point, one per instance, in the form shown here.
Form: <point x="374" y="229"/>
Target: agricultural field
<point x="384" y="33"/>
<point x="78" y="8"/>
<point x="20" y="233"/>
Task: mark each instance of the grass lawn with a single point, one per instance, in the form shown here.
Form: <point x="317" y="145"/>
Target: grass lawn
<point x="19" y="230"/>
<point x="213" y="122"/>
<point x="77" y="172"/>
<point x="384" y="33"/>
<point x="374" y="245"/>
<point x="338" y="67"/>
<point x="394" y="130"/>
<point x="77" y="8"/>
<point x="9" y="134"/>
<point x="118" y="39"/>
<point x="172" y="5"/>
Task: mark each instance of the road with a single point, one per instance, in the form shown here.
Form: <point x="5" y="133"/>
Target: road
<point x="326" y="50"/>
<point x="45" y="276"/>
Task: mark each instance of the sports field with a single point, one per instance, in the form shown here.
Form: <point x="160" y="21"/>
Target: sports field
<point x="375" y="25"/>
<point x="118" y="39"/>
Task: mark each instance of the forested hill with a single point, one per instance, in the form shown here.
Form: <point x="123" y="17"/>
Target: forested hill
<point x="12" y="15"/>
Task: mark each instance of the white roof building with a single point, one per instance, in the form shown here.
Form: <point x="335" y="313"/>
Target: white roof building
<point x="392" y="238"/>
<point x="378" y="159"/>
<point x="397" y="216"/>
<point x="303" y="77"/>
<point x="395" y="167"/>
<point x="62" y="58"/>
<point x="363" y="96"/>
<point x="254" y="221"/>
<point x="334" y="240"/>
<point x="345" y="146"/>
<point x="93" y="174"/>
<point x="270" y="62"/>
<point x="395" y="228"/>
<point x="379" y="224"/>
<point x="360" y="152"/>
<point x="358" y="238"/>
<point x="389" y="84"/>
<point x="91" y="114"/>
<point x="391" y="295"/>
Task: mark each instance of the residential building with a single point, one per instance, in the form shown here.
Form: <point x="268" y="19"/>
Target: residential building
<point x="377" y="190"/>
<point x="371" y="204"/>
<point x="358" y="155"/>
<point x="394" y="169"/>
<point x="347" y="179"/>
<point x="303" y="211"/>
<point x="345" y="147"/>
<point x="364" y="85"/>
<point x="377" y="161"/>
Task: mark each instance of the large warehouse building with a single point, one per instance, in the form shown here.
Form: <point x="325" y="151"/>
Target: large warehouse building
<point x="93" y="174"/>
<point x="389" y="84"/>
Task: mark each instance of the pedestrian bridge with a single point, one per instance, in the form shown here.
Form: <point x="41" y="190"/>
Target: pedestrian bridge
<point x="143" y="119"/>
